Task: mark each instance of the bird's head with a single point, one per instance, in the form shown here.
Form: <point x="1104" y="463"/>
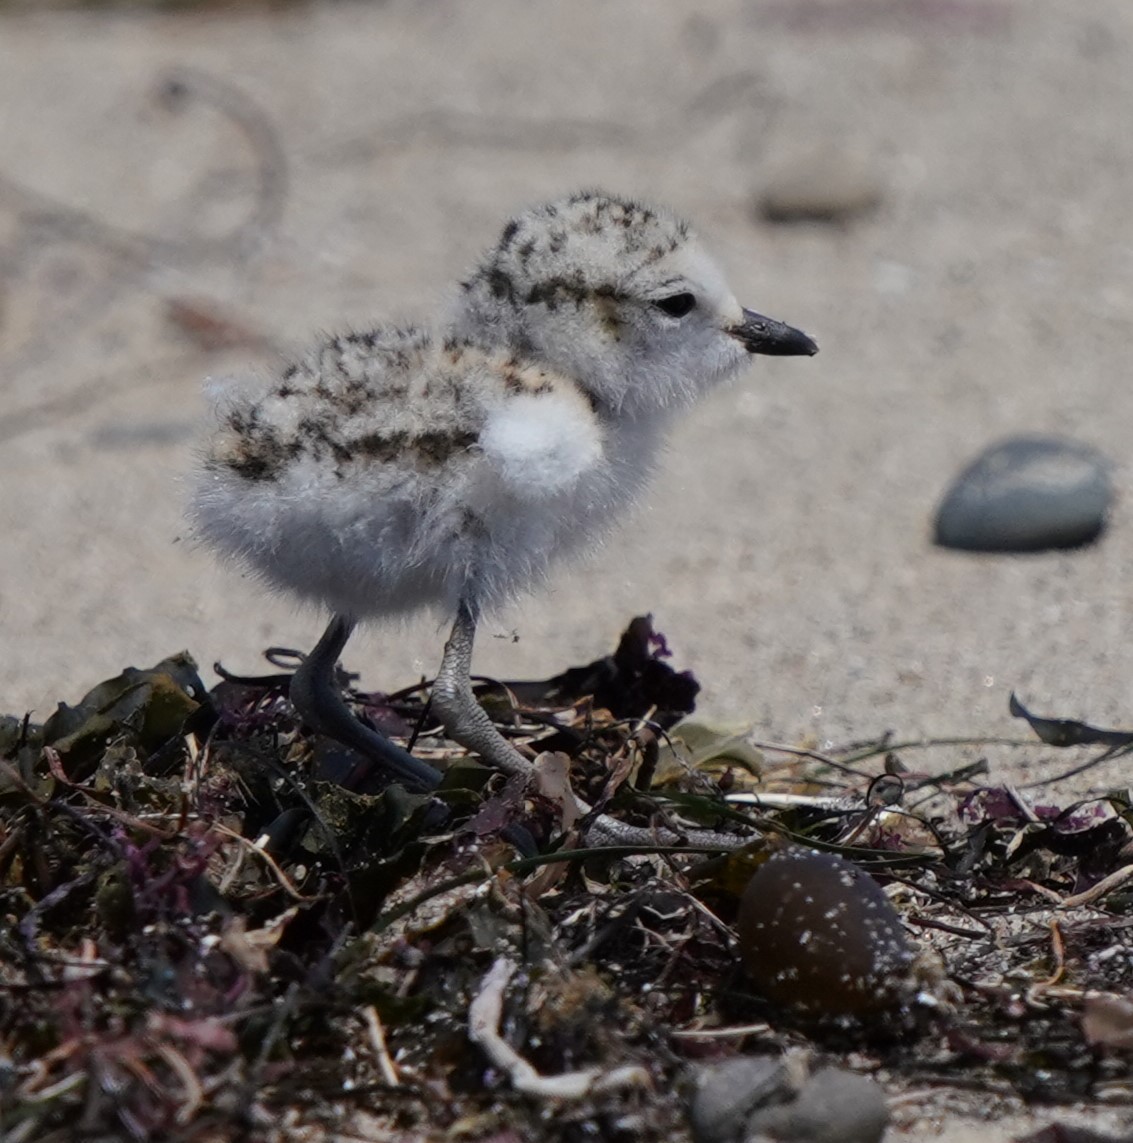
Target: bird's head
<point x="622" y="298"/>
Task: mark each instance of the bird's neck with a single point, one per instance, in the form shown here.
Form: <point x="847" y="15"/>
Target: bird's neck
<point x="482" y="317"/>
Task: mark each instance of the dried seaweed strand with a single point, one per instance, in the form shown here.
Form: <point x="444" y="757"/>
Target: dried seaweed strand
<point x="1096" y="892"/>
<point x="484" y="1014"/>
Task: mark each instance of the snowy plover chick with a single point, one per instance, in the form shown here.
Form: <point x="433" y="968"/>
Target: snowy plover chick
<point x="450" y="465"/>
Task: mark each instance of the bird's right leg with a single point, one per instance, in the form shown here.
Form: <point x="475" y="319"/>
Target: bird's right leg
<point x="464" y="719"/>
<point x="315" y="695"/>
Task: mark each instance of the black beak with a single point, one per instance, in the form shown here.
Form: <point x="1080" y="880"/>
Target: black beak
<point x="759" y="334"/>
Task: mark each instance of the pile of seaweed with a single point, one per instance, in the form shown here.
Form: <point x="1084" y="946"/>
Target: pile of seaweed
<point x="218" y="924"/>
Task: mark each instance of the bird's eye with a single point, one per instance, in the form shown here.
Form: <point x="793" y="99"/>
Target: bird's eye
<point x="676" y="305"/>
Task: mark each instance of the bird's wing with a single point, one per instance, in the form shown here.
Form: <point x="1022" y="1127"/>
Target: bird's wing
<point x="541" y="444"/>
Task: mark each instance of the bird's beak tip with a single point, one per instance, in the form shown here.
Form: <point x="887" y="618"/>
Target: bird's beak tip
<point x="759" y="334"/>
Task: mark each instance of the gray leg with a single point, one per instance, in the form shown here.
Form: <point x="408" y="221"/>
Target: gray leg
<point x="464" y="719"/>
<point x="466" y="722"/>
<point x="315" y="695"/>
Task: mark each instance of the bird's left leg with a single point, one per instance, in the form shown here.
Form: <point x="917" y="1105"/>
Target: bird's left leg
<point x="464" y="719"/>
<point x="317" y="698"/>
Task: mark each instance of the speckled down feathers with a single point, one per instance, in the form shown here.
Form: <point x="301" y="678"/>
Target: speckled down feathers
<point x="583" y="237"/>
<point x="400" y="468"/>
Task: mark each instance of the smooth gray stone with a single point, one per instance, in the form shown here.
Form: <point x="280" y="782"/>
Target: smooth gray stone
<point x="1027" y="494"/>
<point x="833" y="1107"/>
<point x="728" y="1092"/>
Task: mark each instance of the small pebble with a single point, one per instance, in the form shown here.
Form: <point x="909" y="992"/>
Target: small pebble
<point x="834" y="1106"/>
<point x="817" y="934"/>
<point x="826" y="187"/>
<point x="1027" y="494"/>
<point x="728" y="1092"/>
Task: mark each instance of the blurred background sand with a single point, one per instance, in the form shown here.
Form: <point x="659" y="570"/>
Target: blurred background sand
<point x="334" y="165"/>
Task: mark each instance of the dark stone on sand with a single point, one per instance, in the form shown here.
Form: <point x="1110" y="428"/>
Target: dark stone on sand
<point x="727" y="1094"/>
<point x="834" y="1106"/>
<point x="818" y="934"/>
<point x="1027" y="494"/>
<point x="749" y="1098"/>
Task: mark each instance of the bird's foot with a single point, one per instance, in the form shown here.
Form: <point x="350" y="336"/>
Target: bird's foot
<point x="315" y="695"/>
